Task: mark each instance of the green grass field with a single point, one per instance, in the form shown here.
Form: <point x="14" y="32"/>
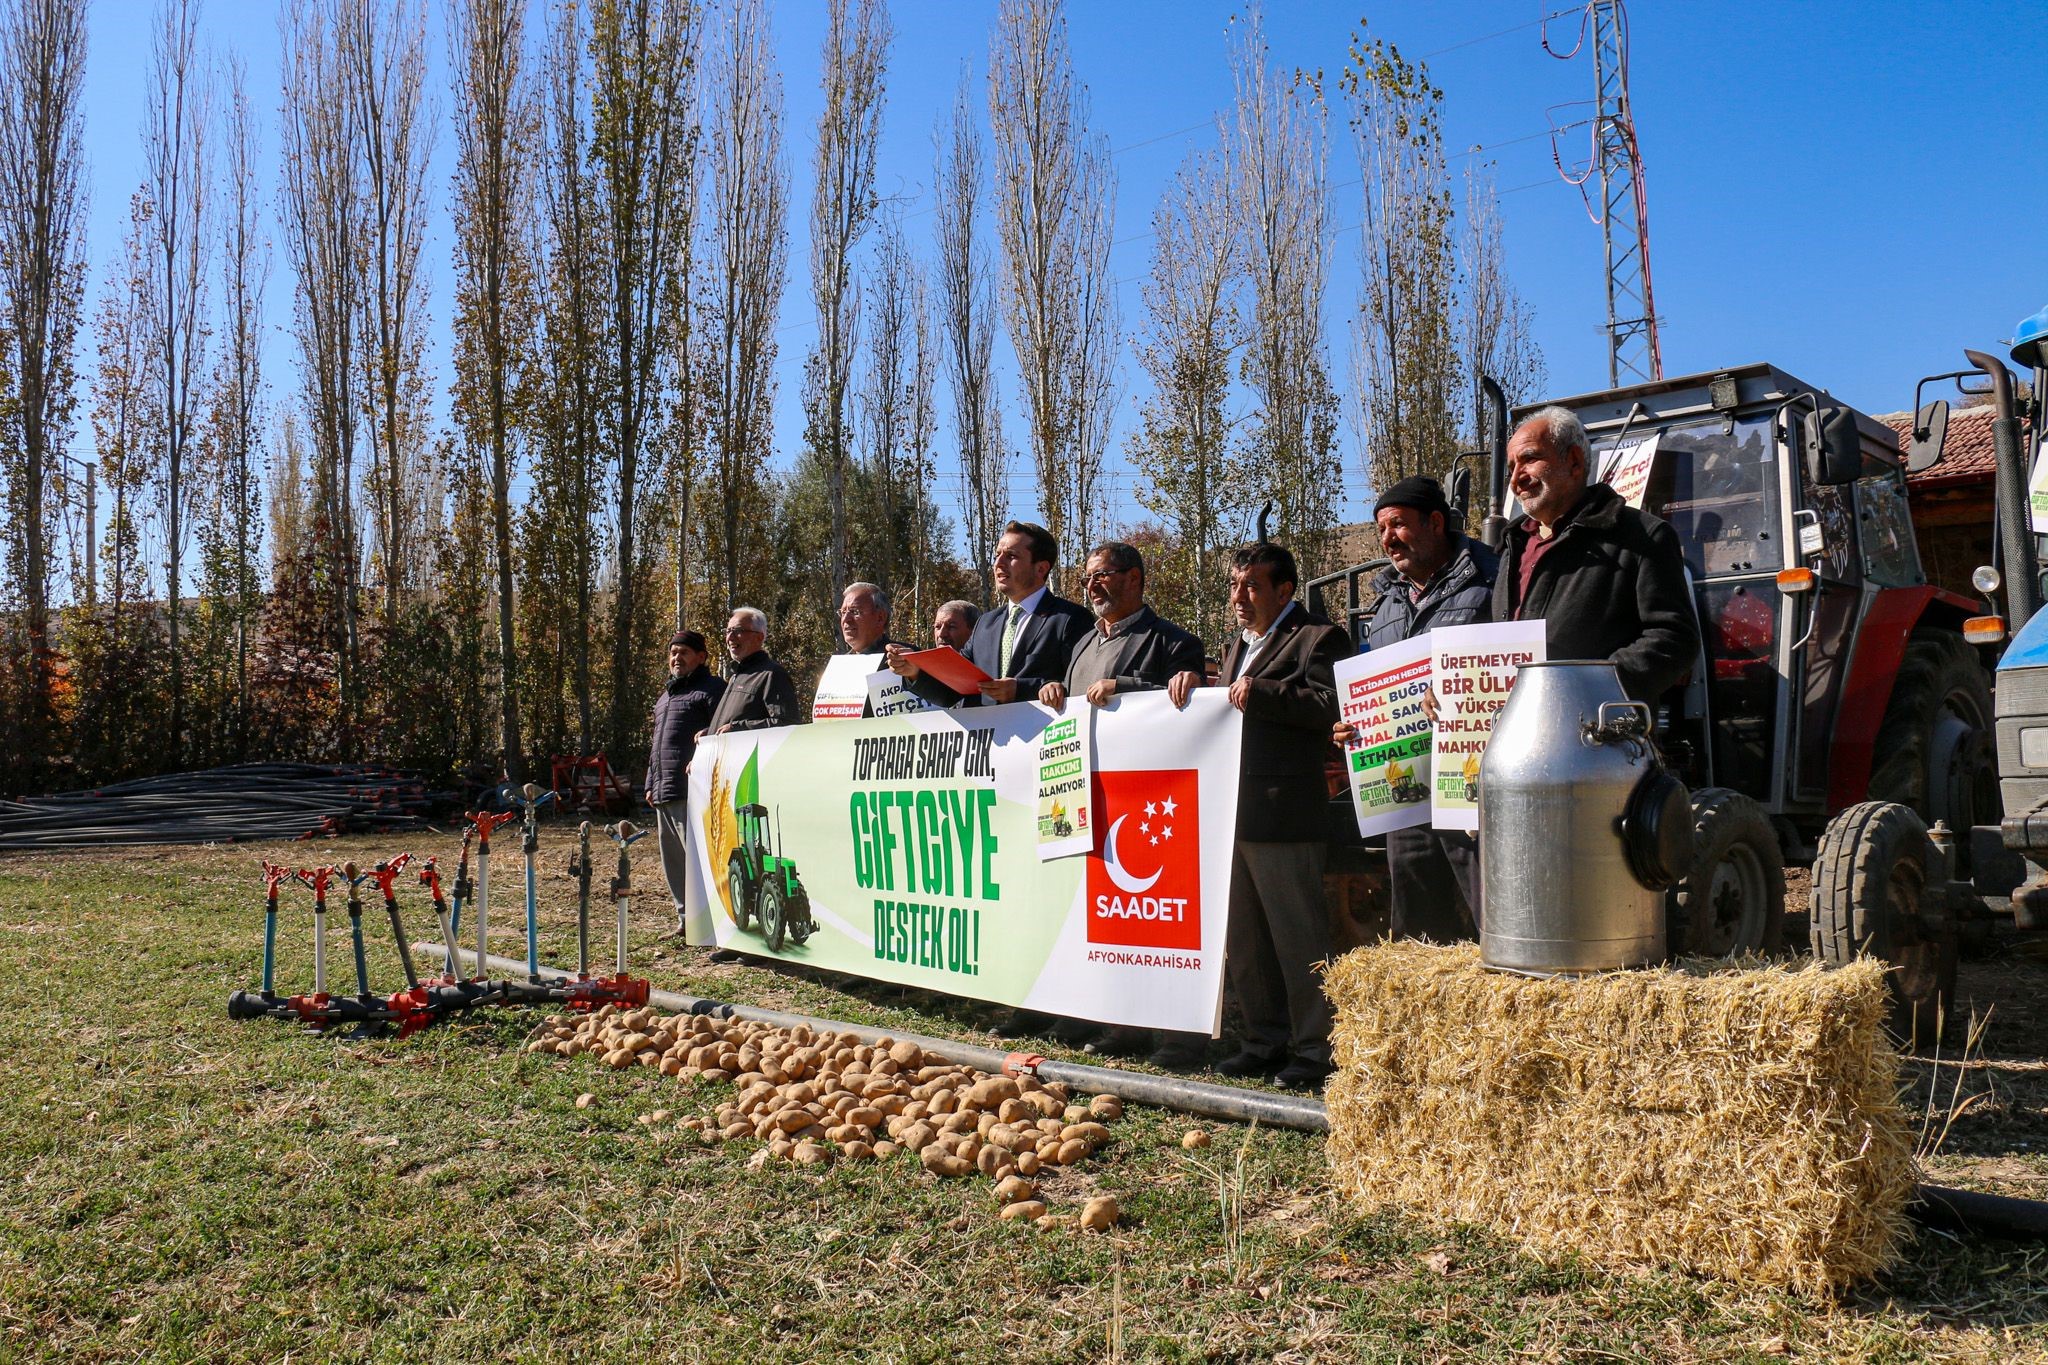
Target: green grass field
<point x="181" y="1187"/>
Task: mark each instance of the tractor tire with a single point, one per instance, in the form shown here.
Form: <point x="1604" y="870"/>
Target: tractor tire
<point x="736" y="892"/>
<point x="774" y="913"/>
<point x="801" y="925"/>
<point x="1936" y="743"/>
<point x="1870" y="896"/>
<point x="1732" y="903"/>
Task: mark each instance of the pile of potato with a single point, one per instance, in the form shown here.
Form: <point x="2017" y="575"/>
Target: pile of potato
<point x="817" y="1097"/>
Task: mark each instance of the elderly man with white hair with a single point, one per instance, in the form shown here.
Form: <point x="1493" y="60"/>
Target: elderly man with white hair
<point x="758" y="694"/>
<point x="1607" y="579"/>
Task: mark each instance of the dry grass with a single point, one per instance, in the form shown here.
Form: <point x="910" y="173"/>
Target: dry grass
<point x="1738" y="1123"/>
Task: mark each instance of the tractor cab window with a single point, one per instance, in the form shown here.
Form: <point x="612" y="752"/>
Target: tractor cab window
<point x="1716" y="482"/>
<point x="1891" y="556"/>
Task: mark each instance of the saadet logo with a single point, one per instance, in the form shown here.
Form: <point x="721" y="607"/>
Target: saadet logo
<point x="1145" y="884"/>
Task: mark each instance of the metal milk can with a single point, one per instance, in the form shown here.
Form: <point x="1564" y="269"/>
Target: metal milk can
<point x="1580" y="828"/>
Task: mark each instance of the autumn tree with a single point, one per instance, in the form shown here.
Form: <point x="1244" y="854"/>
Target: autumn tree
<point x="843" y="207"/>
<point x="320" y="208"/>
<point x="495" y="143"/>
<point x="1495" y="325"/>
<point x="1055" y="215"/>
<point x="1183" y="445"/>
<point x="42" y="268"/>
<point x="643" y="145"/>
<point x="1275" y="142"/>
<point x="382" y="47"/>
<point x="750" y="188"/>
<point x="1404" y="331"/>
<point x="966" y="329"/>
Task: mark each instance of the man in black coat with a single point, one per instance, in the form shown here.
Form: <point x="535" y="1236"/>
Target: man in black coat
<point x="1278" y="670"/>
<point x="1024" y="643"/>
<point x="758" y="694"/>
<point x="1131" y="648"/>
<point x="1607" y="580"/>
<point x="1438" y="578"/>
<point x="681" y="711"/>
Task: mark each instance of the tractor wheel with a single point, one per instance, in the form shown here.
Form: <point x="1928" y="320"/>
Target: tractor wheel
<point x="1733" y="901"/>
<point x="773" y="912"/>
<point x="736" y="890"/>
<point x="1936" y="740"/>
<point x="801" y="925"/>
<point x="1870" y="895"/>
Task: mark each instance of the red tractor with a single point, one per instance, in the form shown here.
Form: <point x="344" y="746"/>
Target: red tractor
<point x="1831" y="674"/>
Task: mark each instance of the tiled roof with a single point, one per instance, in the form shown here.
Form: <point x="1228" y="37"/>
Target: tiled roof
<point x="1967" y="456"/>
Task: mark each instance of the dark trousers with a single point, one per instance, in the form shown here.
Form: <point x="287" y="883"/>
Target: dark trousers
<point x="1433" y="882"/>
<point x="672" y="837"/>
<point x="1278" y="942"/>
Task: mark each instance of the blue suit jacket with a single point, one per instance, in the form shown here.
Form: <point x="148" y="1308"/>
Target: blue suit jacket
<point x="1045" y="641"/>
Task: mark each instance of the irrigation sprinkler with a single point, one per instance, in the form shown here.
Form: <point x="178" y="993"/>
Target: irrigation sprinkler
<point x="384" y="874"/>
<point x="316" y="879"/>
<point x="242" y="1005"/>
<point x="579" y="867"/>
<point x="430" y="877"/>
<point x="620" y="988"/>
<point x="530" y="800"/>
<point x="484" y="822"/>
<point x="462" y="893"/>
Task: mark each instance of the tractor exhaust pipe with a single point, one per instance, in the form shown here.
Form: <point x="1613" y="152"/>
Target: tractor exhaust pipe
<point x="2015" y="532"/>
<point x="1493" y="532"/>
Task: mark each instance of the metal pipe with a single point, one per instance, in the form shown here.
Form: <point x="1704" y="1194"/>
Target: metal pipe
<point x="2015" y="532"/>
<point x="483" y="888"/>
<point x="583" y="901"/>
<point x="1301" y="1113"/>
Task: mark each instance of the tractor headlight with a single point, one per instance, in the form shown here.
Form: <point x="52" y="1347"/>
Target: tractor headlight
<point x="1986" y="579"/>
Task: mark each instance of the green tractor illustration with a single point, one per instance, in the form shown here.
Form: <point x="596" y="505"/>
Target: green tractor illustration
<point x="764" y="884"/>
<point x="1060" y="826"/>
<point x="1404" y="787"/>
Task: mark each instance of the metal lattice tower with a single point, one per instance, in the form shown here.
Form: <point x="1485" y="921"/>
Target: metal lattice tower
<point x="1633" y="355"/>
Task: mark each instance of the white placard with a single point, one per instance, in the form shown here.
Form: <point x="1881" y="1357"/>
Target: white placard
<point x="1472" y="669"/>
<point x="1381" y="693"/>
<point x="887" y="696"/>
<point x="843" y="689"/>
<point x="1628" y="468"/>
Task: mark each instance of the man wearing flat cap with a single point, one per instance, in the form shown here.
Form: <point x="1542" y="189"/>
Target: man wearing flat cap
<point x="682" y="709"/>
<point x="1438" y="577"/>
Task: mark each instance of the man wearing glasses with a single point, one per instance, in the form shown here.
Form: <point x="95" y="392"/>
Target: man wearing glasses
<point x="758" y="694"/>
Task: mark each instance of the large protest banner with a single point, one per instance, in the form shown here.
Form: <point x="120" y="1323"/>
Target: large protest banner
<point x="905" y="848"/>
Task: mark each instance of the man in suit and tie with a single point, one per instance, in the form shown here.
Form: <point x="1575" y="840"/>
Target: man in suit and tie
<point x="1278" y="670"/>
<point x="1022" y="644"/>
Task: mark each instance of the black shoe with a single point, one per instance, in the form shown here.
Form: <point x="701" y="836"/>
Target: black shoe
<point x="1180" y="1056"/>
<point x="1118" y="1042"/>
<point x="1021" y="1024"/>
<point x="1300" y="1075"/>
<point x="1079" y="1033"/>
<point x="724" y="955"/>
<point x="1247" y="1064"/>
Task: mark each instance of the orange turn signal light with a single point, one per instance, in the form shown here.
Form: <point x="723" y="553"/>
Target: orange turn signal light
<point x="1796" y="580"/>
<point x="1984" y="630"/>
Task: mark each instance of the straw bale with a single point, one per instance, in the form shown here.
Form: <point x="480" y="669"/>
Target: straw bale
<point x="1736" y="1122"/>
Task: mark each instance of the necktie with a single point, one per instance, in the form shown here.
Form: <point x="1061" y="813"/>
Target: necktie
<point x="1009" y="640"/>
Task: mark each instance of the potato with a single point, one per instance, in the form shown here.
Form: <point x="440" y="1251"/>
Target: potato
<point x="781" y="1147"/>
<point x="942" y="1102"/>
<point x="1073" y="1150"/>
<point x="585" y="1101"/>
<point x="541" y="1045"/>
<point x="917" y="1136"/>
<point x="1094" y="1134"/>
<point x="736" y="1129"/>
<point x="658" y="1116"/>
<point x="1049" y="1151"/>
<point x="647" y="1058"/>
<point x="1099" y="1214"/>
<point x="1003" y="1135"/>
<point x="670" y="1066"/>
<point x="1024" y="1210"/>
<point x="1049" y="1127"/>
<point x="884" y="1150"/>
<point x="811" y="1154"/>
<point x="995" y="1161"/>
<point x="1028" y="1162"/>
<point x="1074" y="1113"/>
<point x="1194" y="1138"/>
<point x="1012" y="1188"/>
<point x="1108" y="1108"/>
<point x="917" y="1109"/>
<point x="793" y="1120"/>
<point x="906" y="1054"/>
<point x="938" y="1163"/>
<point x="1009" y="1111"/>
<point x="865" y="1115"/>
<point x="716" y="1073"/>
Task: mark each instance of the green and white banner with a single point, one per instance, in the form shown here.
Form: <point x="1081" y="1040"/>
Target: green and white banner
<point x="906" y="849"/>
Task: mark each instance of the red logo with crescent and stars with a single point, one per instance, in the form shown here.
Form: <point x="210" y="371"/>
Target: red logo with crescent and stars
<point x="1145" y="884"/>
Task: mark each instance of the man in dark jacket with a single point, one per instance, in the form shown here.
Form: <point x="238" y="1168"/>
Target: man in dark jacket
<point x="1438" y="578"/>
<point x="1131" y="648"/>
<point x="1024" y="643"/>
<point x="864" y="616"/>
<point x="758" y="694"/>
<point x="1607" y="580"/>
<point x="1278" y="672"/>
<point x="681" y="712"/>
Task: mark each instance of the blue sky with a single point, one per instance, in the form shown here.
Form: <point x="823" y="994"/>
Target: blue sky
<point x="1853" y="192"/>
